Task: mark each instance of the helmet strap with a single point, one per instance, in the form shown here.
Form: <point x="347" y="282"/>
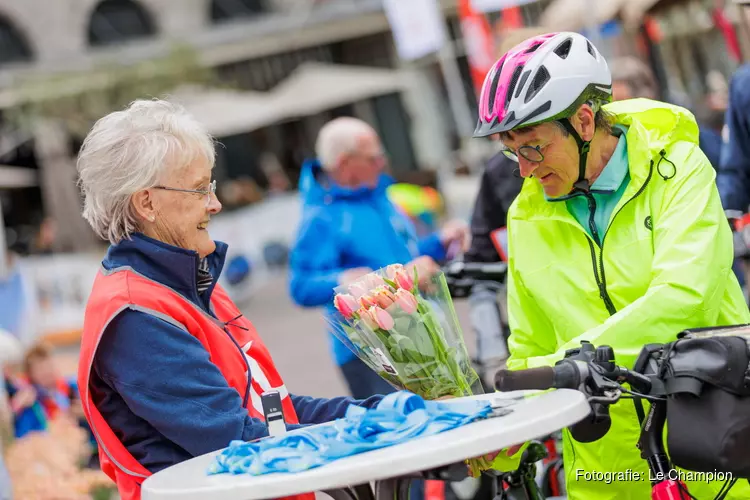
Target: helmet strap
<point x="582" y="184"/>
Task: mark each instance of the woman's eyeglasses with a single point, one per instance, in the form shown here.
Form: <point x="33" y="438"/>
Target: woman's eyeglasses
<point x="531" y="153"/>
<point x="205" y="192"/>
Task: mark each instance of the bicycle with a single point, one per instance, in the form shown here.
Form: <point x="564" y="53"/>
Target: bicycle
<point x="594" y="372"/>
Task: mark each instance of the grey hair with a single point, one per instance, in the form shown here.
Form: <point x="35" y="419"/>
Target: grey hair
<point x="339" y="137"/>
<point x="131" y="150"/>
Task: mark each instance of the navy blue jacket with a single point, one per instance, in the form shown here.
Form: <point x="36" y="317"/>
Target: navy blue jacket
<point x="733" y="178"/>
<point x="154" y="383"/>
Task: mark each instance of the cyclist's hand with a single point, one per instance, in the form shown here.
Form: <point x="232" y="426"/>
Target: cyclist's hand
<point x="508" y="452"/>
<point x="512" y="450"/>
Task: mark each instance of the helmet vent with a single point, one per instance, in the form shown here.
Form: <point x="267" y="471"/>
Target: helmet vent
<point x="590" y="49"/>
<point x="533" y="48"/>
<point x="521" y="83"/>
<point x="563" y="49"/>
<point x="513" y="83"/>
<point x="493" y="87"/>
<point x="540" y="80"/>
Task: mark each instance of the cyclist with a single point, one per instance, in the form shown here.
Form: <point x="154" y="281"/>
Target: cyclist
<point x="618" y="235"/>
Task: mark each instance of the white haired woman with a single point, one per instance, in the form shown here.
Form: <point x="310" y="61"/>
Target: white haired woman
<point x="169" y="368"/>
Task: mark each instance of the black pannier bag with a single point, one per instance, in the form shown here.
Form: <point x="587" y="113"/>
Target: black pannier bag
<point x="706" y="375"/>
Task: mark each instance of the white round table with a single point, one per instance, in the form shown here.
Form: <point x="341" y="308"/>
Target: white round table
<point x="533" y="415"/>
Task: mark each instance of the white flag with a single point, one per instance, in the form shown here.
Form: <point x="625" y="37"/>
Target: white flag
<point x="417" y="25"/>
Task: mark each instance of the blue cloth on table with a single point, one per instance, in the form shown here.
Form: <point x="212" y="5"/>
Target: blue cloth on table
<point x="399" y="417"/>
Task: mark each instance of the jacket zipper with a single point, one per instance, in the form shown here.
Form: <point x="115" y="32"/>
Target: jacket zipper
<point x="599" y="276"/>
<point x="223" y="325"/>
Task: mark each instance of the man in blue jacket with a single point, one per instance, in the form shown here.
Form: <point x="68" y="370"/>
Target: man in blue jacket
<point x="349" y="227"/>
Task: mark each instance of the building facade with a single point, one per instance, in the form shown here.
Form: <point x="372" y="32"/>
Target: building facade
<point x="250" y="46"/>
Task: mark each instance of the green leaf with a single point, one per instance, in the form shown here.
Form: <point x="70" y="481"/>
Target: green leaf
<point x="402" y="324"/>
<point x="390" y="283"/>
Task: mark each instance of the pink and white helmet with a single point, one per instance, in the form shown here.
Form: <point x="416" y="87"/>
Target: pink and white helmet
<point x="542" y="79"/>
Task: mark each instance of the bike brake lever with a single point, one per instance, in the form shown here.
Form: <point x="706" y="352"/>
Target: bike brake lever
<point x="610" y="397"/>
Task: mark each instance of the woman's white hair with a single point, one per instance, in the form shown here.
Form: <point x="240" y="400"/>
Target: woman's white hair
<point x="338" y="137"/>
<point x="131" y="150"/>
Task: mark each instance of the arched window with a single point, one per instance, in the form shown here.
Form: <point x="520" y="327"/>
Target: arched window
<point x="13" y="46"/>
<point x="227" y="10"/>
<point x="118" y="21"/>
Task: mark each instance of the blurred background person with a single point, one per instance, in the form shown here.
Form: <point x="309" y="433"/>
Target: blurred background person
<point x="38" y="393"/>
<point x="733" y="177"/>
<point x="631" y="79"/>
<point x="350" y="227"/>
<point x="423" y="205"/>
<point x="10" y="353"/>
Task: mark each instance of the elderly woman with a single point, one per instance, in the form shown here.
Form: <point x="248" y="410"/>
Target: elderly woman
<point x="169" y="367"/>
<point x="618" y="236"/>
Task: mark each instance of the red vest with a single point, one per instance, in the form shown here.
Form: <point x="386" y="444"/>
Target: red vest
<point x="115" y="291"/>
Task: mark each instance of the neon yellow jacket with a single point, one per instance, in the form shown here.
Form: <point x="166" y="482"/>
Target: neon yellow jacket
<point x="664" y="266"/>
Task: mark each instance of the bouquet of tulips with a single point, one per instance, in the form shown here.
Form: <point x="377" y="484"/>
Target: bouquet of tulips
<point x="408" y="334"/>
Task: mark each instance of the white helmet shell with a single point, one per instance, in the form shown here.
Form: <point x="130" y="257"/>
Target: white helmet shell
<point x="542" y="79"/>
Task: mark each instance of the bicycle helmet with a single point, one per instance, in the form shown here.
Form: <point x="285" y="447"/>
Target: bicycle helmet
<point x="545" y="78"/>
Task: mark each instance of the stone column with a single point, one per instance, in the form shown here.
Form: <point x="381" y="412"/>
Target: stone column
<point x="60" y="194"/>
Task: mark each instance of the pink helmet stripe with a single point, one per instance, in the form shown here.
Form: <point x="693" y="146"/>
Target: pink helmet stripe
<point x="507" y="64"/>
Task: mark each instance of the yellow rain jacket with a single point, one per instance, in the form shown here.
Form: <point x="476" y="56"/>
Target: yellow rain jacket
<point x="664" y="265"/>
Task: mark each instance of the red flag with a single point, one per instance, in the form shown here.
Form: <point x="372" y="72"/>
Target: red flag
<point x="480" y="47"/>
<point x="512" y="18"/>
<point x="727" y="30"/>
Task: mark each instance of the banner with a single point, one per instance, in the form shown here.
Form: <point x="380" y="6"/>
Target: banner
<point x="418" y="27"/>
<point x="480" y="47"/>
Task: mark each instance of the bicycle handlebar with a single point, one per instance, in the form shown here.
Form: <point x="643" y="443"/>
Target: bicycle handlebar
<point x="589" y="370"/>
<point x="463" y="276"/>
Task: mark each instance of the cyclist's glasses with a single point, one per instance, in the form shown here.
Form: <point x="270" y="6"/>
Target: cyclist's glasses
<point x="531" y="153"/>
<point x="205" y="192"/>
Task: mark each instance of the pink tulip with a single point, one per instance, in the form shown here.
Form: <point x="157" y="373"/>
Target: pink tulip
<point x="391" y="270"/>
<point x="406" y="301"/>
<point x="345" y="304"/>
<point x="403" y="280"/>
<point x="367" y="301"/>
<point x="358" y="289"/>
<point x="381" y="318"/>
<point x="374" y="281"/>
<point x="367" y="319"/>
<point x="383" y="297"/>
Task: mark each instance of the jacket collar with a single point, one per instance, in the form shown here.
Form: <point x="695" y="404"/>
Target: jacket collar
<point x="614" y="172"/>
<point x="166" y="264"/>
<point x="652" y="128"/>
<point x="315" y="186"/>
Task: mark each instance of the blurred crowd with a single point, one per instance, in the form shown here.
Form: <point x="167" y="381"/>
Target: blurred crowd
<point x="48" y="447"/>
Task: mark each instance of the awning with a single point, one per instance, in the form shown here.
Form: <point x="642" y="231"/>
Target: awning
<point x="573" y="15"/>
<point x="228" y="112"/>
<point x="316" y="87"/>
<point x="312" y="88"/>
